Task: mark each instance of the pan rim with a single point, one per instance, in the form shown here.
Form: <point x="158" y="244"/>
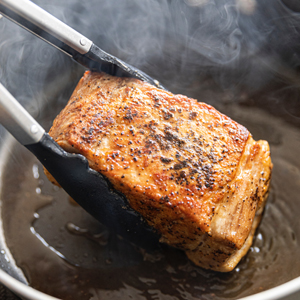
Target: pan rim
<point x="276" y="293"/>
<point x="23" y="290"/>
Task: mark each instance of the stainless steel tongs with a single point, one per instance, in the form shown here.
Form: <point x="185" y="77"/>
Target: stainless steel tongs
<point x="42" y="24"/>
<point x="89" y="188"/>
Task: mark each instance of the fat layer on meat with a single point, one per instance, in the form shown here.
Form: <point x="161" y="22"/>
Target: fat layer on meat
<point x="194" y="174"/>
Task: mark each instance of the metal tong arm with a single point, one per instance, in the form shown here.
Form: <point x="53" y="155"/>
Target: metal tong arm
<point x="17" y="120"/>
<point x="36" y="20"/>
<point x="87" y="187"/>
<point x="58" y="34"/>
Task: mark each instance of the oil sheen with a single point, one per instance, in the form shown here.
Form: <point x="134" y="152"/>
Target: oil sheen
<point x="66" y="253"/>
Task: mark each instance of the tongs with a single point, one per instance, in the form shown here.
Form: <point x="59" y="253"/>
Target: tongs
<point x="42" y="24"/>
<point x="87" y="187"/>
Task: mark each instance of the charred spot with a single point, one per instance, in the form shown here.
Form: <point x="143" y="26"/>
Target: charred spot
<point x="212" y="158"/>
<point x="167" y="115"/>
<point x="157" y="98"/>
<point x="90" y="131"/>
<point x="255" y="196"/>
<point x="180" y="165"/>
<point x="103" y="123"/>
<point x="192" y="172"/>
<point x="129" y="115"/>
<point x="132" y="131"/>
<point x="163" y="143"/>
<point x="165" y="199"/>
<point x="165" y="160"/>
<point x="193" y="115"/>
<point x="174" y="139"/>
<point x="182" y="174"/>
<point x="149" y="143"/>
<point x="197" y="164"/>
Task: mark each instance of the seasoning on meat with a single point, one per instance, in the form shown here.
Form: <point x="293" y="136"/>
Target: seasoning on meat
<point x="194" y="174"/>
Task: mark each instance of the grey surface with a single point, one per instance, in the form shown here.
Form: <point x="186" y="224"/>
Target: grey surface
<point x="6" y="294"/>
<point x="295" y="296"/>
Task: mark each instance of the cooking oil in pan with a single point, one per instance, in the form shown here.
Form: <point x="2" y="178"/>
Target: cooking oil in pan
<point x="66" y="253"/>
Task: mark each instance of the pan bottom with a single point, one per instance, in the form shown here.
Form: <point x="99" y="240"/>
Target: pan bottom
<point x="64" y="252"/>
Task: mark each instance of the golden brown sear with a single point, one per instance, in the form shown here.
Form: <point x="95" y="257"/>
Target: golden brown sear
<point x="194" y="174"/>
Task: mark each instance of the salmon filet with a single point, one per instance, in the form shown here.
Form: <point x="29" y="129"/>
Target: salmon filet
<point x="196" y="176"/>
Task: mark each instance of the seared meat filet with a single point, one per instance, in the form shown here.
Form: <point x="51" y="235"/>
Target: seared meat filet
<point x="194" y="174"/>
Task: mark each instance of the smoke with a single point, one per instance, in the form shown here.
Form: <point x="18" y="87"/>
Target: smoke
<point x="182" y="43"/>
<point x="26" y="63"/>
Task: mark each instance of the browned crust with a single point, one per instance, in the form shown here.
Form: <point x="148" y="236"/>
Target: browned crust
<point x="174" y="158"/>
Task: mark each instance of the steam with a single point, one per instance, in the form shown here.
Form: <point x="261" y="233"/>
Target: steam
<point x="182" y="43"/>
<point x="25" y="62"/>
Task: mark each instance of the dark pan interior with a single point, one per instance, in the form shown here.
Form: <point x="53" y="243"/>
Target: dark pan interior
<point x="64" y="252"/>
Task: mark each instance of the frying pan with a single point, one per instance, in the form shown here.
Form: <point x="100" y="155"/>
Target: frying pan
<point x="61" y="237"/>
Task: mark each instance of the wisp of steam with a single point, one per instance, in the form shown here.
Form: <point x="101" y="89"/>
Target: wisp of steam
<point x="181" y="43"/>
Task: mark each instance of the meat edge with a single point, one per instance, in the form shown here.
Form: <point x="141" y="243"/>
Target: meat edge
<point x="232" y="249"/>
